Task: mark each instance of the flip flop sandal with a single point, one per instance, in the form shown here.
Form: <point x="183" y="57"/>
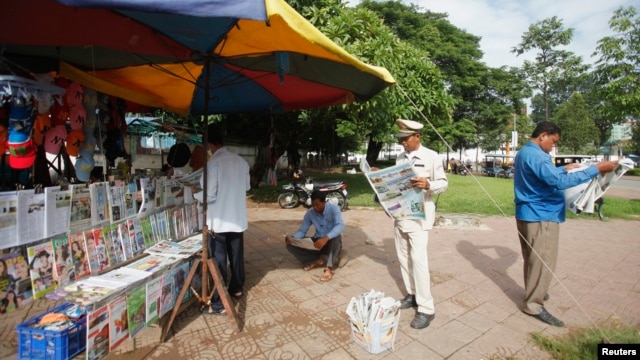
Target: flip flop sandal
<point x="313" y="265"/>
<point x="327" y="275"/>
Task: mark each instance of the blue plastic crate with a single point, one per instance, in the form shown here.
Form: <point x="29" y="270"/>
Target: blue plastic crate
<point x="34" y="343"/>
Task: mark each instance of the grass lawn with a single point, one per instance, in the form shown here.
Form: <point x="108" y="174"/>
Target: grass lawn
<point x="479" y="195"/>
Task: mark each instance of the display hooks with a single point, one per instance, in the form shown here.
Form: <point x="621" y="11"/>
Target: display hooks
<point x="604" y="336"/>
<point x="11" y="85"/>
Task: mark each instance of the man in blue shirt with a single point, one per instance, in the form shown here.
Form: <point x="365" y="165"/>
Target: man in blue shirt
<point x="327" y="241"/>
<point x="540" y="208"/>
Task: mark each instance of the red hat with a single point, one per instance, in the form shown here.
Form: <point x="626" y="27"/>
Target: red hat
<point x="77" y="116"/>
<point x="21" y="155"/>
<point x="54" y="138"/>
<point x="74" y="94"/>
<point x="75" y="138"/>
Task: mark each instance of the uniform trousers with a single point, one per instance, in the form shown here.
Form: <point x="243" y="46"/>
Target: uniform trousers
<point x="411" y="248"/>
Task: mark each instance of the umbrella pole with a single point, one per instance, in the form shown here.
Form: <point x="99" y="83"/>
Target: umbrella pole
<point x="209" y="266"/>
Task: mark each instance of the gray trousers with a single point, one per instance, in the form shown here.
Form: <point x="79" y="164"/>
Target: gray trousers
<point x="539" y="243"/>
<point x="331" y="250"/>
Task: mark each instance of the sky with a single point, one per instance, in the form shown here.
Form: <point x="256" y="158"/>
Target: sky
<point x="501" y="23"/>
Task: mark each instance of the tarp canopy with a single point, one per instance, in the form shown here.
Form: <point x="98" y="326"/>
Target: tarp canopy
<point x="246" y="55"/>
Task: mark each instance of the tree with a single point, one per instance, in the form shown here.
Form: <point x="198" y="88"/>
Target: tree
<point x="579" y="128"/>
<point x="551" y="63"/>
<point x="618" y="68"/>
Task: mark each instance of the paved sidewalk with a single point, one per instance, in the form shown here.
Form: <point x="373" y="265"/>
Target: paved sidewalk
<point x="477" y="285"/>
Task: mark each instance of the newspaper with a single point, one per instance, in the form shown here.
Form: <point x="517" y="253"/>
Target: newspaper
<point x="305" y="243"/>
<point x="371" y="310"/>
<point x="581" y="198"/>
<point x="191" y="180"/>
<point x="393" y="189"/>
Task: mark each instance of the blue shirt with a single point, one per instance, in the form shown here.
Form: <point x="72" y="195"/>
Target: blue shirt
<point x="539" y="185"/>
<point x="329" y="223"/>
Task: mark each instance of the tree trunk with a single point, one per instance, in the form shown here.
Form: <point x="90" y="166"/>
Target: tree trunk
<point x="373" y="149"/>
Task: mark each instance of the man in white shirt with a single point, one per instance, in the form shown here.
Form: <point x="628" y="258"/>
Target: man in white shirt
<point x="227" y="185"/>
<point x="412" y="235"/>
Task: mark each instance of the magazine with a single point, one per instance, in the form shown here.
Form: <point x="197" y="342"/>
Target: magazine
<point x="57" y="204"/>
<point x="393" y="188"/>
<point x="180" y="273"/>
<point x="154" y="288"/>
<point x="80" y="212"/>
<point x="101" y="249"/>
<point x="166" y="295"/>
<point x="64" y="270"/>
<point x="16" y="283"/>
<point x="98" y="333"/>
<point x="107" y="235"/>
<point x="118" y="319"/>
<point x="125" y="241"/>
<point x="153" y="263"/>
<point x="93" y="291"/>
<point x="99" y="203"/>
<point x="92" y="252"/>
<point x="147" y="232"/>
<point x="126" y="276"/>
<point x="30" y="216"/>
<point x="41" y="263"/>
<point x="130" y="209"/>
<point x="146" y="205"/>
<point x="163" y="225"/>
<point x="79" y="254"/>
<point x="8" y="219"/>
<point x="135" y="232"/>
<point x="136" y="309"/>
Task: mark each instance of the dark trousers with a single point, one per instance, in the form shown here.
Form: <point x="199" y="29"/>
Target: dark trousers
<point x="230" y="246"/>
<point x="331" y="250"/>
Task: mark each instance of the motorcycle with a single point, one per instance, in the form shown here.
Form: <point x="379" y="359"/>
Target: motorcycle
<point x="299" y="192"/>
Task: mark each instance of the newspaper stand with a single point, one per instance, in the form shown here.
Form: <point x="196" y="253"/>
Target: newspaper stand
<point x="377" y="338"/>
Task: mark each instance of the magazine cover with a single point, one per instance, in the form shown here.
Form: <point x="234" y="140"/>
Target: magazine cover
<point x="30" y="216"/>
<point x="101" y="249"/>
<point x="15" y="282"/>
<point x="160" y="200"/>
<point x="64" y="271"/>
<point x="166" y="295"/>
<point x="154" y="288"/>
<point x="135" y="228"/>
<point x="57" y="204"/>
<point x="163" y="225"/>
<point x="118" y="322"/>
<point x="8" y="219"/>
<point x="180" y="274"/>
<point x="92" y="252"/>
<point x="80" y="212"/>
<point x="147" y="233"/>
<point x="79" y="254"/>
<point x="154" y="229"/>
<point x="125" y="241"/>
<point x="99" y="203"/>
<point x="118" y="251"/>
<point x="110" y="245"/>
<point x="98" y="333"/>
<point x="136" y="309"/>
<point x="41" y="268"/>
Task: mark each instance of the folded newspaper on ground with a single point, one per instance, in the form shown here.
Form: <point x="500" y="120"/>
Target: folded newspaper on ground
<point x="581" y="198"/>
<point x="393" y="189"/>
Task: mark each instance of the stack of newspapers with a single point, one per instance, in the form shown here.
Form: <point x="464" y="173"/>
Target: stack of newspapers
<point x="374" y="320"/>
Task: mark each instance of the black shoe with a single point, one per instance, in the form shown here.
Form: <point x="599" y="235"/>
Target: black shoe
<point x="544" y="316"/>
<point x="408" y="301"/>
<point x="422" y="320"/>
<point x="546" y="297"/>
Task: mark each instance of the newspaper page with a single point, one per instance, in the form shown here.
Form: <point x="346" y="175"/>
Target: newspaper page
<point x="392" y="186"/>
<point x="581" y="198"/>
<point x="8" y="219"/>
<point x="57" y="204"/>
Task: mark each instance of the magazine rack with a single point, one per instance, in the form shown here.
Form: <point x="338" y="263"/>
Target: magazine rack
<point x="209" y="267"/>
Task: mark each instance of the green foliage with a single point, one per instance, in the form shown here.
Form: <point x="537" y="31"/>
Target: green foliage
<point x="551" y="64"/>
<point x="618" y="68"/>
<point x="579" y="127"/>
<point x="582" y="343"/>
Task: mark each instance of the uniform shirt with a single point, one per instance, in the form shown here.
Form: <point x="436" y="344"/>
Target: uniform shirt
<point x="227" y="186"/>
<point x="539" y="185"/>
<point x="329" y="223"/>
<point x="425" y="163"/>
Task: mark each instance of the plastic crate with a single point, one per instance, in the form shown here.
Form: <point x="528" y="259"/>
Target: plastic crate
<point x="34" y="343"/>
